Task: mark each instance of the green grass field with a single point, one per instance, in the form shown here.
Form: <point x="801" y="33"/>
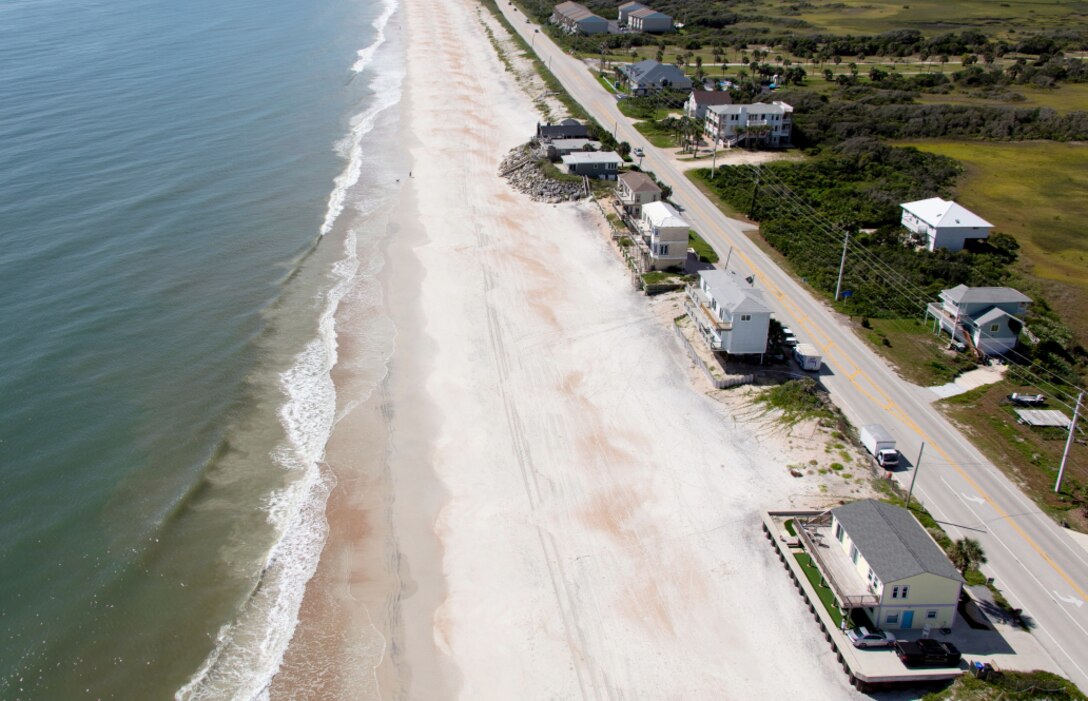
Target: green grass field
<point x="1068" y="97"/>
<point x="936" y="16"/>
<point x="1035" y="192"/>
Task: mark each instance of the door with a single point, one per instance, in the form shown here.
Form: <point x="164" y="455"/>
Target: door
<point x="908" y="619"/>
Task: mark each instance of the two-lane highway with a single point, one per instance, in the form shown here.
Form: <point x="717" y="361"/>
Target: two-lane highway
<point x="1033" y="560"/>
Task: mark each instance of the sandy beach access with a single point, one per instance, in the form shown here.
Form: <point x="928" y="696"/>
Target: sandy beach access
<point x="536" y="503"/>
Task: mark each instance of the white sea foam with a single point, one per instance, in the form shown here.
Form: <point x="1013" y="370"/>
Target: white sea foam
<point x="387" y="89"/>
<point x="249" y="650"/>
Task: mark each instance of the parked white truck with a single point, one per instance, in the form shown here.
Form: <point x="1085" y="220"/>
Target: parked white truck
<point x="880" y="445"/>
<point x="807" y="357"/>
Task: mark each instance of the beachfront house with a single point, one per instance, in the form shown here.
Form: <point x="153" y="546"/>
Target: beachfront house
<point x="602" y="165"/>
<point x="665" y="234"/>
<point x="635" y="189"/>
<point x="624" y="11"/>
<point x="699" y="100"/>
<point x="944" y="224"/>
<point x="575" y="18"/>
<point x="759" y="124"/>
<point x="566" y="129"/>
<point x="731" y="318"/>
<point x="561" y="147"/>
<point x="877" y="558"/>
<point x="649" y="76"/>
<point x="989" y="319"/>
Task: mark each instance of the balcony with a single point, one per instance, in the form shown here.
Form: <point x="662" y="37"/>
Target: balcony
<point x="705" y="315"/>
<point x="850" y="588"/>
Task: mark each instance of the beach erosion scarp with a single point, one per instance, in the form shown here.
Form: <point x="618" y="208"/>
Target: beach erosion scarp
<point x="535" y="503"/>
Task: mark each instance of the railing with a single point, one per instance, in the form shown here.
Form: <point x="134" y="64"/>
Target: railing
<point x="697" y="298"/>
<point x="848" y="601"/>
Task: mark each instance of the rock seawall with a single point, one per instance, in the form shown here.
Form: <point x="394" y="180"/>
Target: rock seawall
<point x="521" y="168"/>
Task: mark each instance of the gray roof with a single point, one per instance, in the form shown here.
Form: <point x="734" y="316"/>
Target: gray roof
<point x="728" y="294"/>
<point x="575" y="144"/>
<point x="651" y="73"/>
<point x="639" y="182"/>
<point x="893" y="543"/>
<point x="995" y="314"/>
<point x="986" y="295"/>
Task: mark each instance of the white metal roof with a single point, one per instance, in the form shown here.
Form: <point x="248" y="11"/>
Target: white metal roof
<point x="661" y="214"/>
<point x="729" y="294"/>
<point x="593" y="157"/>
<point x="1043" y="417"/>
<point x="962" y="294"/>
<point x="938" y="212"/>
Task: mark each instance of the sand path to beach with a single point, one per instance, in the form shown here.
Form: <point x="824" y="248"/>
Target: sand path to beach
<point x="555" y="512"/>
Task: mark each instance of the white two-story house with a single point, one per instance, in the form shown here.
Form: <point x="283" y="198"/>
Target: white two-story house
<point x="989" y="318"/>
<point x="731" y="318"/>
<point x="665" y="233"/>
<point x="760" y="123"/>
<point x="901" y="576"/>
<point x="944" y="224"/>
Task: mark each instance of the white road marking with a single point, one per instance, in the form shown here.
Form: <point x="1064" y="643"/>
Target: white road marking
<point x="1069" y="599"/>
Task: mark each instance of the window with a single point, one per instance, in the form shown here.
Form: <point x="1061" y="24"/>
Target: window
<point x="745" y="317"/>
<point x="931" y="615"/>
<point x="994" y="328"/>
<point x="895" y="592"/>
<point x="903" y="591"/>
<point x="840" y="534"/>
<point x="854" y="553"/>
<point x="892" y="618"/>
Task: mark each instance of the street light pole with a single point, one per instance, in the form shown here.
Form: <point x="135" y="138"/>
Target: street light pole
<point x="1068" y="444"/>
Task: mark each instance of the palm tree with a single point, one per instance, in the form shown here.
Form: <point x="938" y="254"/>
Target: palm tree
<point x="966" y="553"/>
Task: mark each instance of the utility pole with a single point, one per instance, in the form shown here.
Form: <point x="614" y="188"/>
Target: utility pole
<point x="1068" y="444"/>
<point x="917" y="464"/>
<point x="714" y="161"/>
<point x="728" y="256"/>
<point x="842" y="265"/>
<point x="755" y="193"/>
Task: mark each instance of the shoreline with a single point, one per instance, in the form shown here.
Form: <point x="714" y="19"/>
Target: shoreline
<point x="532" y="501"/>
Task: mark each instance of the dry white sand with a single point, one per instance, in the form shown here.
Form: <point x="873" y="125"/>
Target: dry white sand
<point x="558" y="513"/>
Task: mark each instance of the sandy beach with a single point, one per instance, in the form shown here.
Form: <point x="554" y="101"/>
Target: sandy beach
<point x="537" y="502"/>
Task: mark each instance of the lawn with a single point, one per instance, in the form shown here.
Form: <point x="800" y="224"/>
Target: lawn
<point x="822" y="590"/>
<point x="1035" y="192"/>
<point x="911" y="346"/>
<point x="1030" y="456"/>
<point x="608" y="84"/>
<point x="706" y="253"/>
<point x="661" y="138"/>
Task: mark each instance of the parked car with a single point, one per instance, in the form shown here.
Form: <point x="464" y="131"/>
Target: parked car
<point x="639" y="152"/>
<point x="863" y="637"/>
<point x="787" y="337"/>
<point x="1027" y="399"/>
<point x="927" y="653"/>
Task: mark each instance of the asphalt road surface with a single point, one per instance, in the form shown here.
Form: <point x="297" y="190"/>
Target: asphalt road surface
<point x="1033" y="560"/>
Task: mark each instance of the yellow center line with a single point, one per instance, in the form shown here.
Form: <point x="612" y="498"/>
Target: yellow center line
<point x="890" y="405"/>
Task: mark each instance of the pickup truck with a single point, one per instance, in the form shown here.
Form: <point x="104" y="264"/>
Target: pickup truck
<point x="927" y="653"/>
<point x="1027" y="399"/>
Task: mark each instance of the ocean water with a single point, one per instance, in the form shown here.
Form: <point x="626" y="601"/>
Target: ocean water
<point x="189" y="192"/>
